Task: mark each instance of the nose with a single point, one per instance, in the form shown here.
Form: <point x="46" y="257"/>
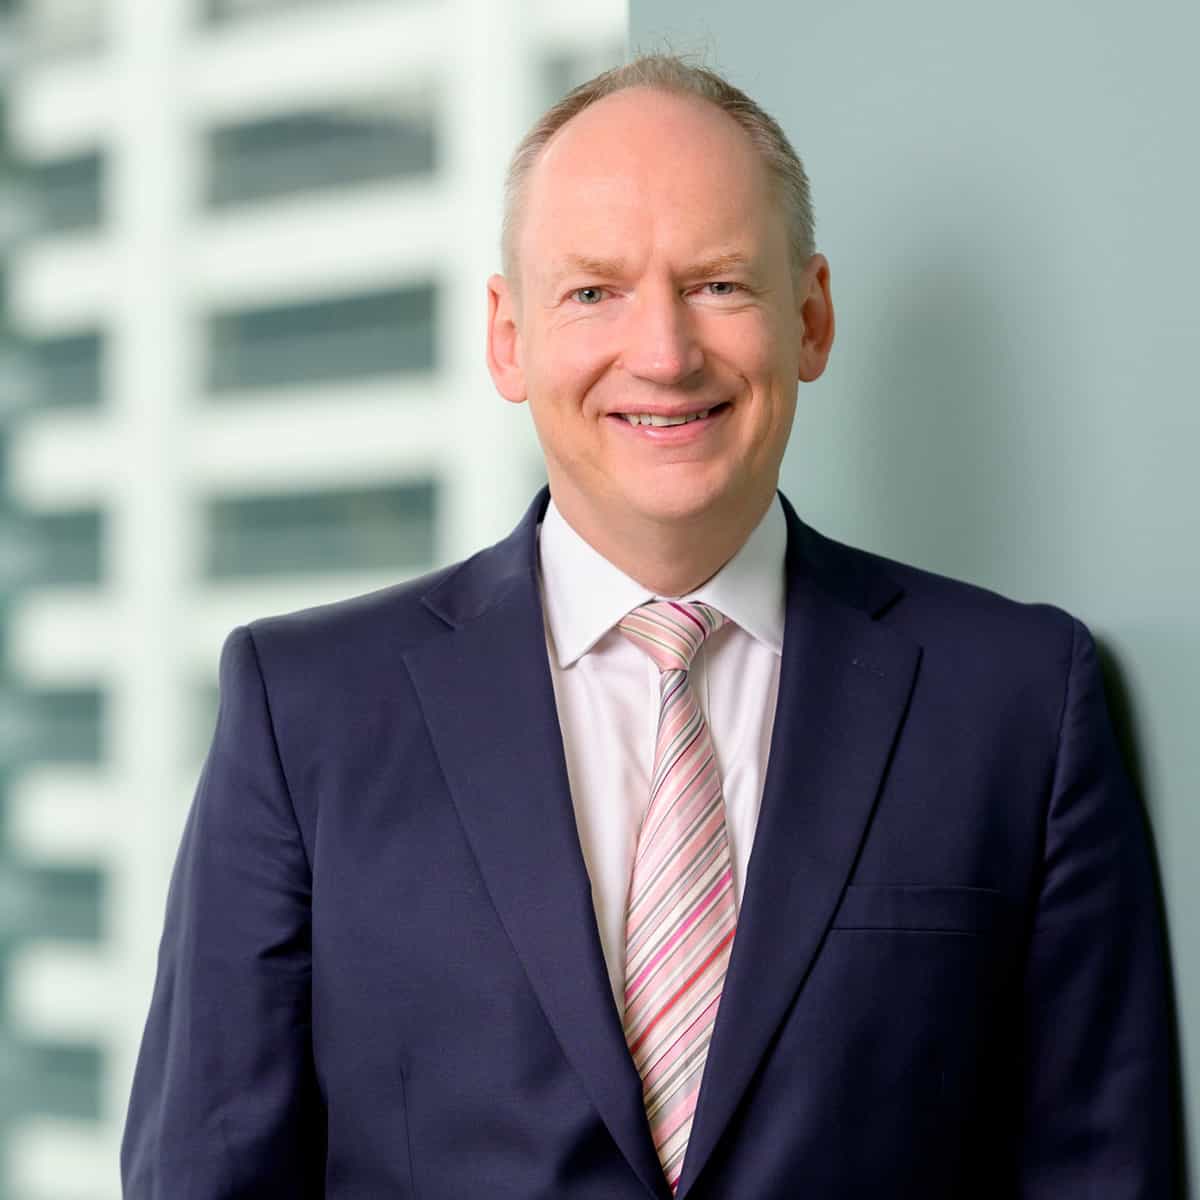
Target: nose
<point x="661" y="343"/>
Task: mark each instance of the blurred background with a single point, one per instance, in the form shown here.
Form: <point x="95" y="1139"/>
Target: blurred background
<point x="242" y="253"/>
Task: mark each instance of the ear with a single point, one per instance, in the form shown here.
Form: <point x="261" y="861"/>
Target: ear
<point x="814" y="307"/>
<point x="504" y="341"/>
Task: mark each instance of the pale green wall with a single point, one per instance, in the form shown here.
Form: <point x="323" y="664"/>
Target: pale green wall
<point x="1009" y="197"/>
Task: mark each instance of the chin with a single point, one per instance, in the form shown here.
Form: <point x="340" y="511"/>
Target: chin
<point x="671" y="505"/>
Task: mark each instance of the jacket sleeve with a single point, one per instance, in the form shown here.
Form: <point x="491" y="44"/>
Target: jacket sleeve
<point x="1098" y="1044"/>
<point x="224" y="1101"/>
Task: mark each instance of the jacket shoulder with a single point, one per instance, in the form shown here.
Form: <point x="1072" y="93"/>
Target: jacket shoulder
<point x="939" y="610"/>
<point x="397" y="618"/>
<point x="334" y="652"/>
<point x="396" y="614"/>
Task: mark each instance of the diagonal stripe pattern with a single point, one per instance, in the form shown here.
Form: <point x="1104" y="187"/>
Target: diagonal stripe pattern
<point x="682" y="911"/>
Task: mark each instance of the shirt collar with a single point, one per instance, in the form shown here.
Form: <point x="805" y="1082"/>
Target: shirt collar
<point x="585" y="595"/>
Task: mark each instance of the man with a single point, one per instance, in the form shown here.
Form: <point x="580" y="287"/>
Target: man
<point x="667" y="845"/>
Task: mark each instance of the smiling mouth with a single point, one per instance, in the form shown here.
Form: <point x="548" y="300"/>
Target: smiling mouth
<point x="662" y="422"/>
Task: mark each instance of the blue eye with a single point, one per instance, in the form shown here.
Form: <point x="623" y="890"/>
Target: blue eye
<point x="588" y="295"/>
<point x="722" y="287"/>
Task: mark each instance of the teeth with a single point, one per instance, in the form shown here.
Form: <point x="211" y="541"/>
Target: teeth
<point x="651" y="419"/>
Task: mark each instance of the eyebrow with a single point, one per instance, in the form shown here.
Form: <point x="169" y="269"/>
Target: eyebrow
<point x="612" y="268"/>
<point x="720" y="264"/>
<point x="585" y="264"/>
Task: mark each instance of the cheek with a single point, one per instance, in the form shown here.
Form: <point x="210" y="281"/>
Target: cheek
<point x="743" y="343"/>
<point x="569" y="361"/>
<point x="772" y="360"/>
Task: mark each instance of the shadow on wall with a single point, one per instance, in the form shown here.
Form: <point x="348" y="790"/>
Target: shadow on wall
<point x="970" y="463"/>
<point x="1124" y="718"/>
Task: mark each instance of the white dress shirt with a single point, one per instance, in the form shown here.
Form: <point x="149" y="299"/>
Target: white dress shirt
<point x="606" y="690"/>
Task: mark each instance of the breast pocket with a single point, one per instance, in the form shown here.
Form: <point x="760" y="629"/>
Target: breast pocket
<point x="919" y="979"/>
<point x="929" y="908"/>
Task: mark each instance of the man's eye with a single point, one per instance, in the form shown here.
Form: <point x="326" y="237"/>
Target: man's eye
<point x="588" y="295"/>
<point x="722" y="287"/>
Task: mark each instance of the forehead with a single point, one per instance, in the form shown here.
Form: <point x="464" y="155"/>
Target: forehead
<point x="643" y="170"/>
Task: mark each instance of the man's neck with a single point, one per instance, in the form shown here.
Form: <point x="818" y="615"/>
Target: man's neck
<point x="669" y="558"/>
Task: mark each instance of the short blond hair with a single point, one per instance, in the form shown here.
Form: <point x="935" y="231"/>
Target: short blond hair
<point x="673" y="74"/>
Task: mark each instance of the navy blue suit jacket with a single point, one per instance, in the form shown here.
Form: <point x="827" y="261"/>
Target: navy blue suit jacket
<point x="381" y="974"/>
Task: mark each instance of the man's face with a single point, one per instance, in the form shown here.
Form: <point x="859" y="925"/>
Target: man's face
<point x="655" y="281"/>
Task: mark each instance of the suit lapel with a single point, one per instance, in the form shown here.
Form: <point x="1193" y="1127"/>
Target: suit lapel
<point x="488" y="700"/>
<point x="844" y="686"/>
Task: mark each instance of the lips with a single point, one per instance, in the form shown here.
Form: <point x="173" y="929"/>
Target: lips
<point x="669" y="419"/>
<point x="660" y="422"/>
<point x="672" y="428"/>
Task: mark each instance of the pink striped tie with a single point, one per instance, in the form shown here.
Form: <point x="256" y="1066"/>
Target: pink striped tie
<point x="682" y="912"/>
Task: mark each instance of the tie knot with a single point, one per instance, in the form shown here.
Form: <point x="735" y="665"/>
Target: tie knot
<point x="671" y="631"/>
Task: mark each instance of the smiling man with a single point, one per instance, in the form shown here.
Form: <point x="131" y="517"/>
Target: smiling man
<point x="652" y="278"/>
<point x="666" y="846"/>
